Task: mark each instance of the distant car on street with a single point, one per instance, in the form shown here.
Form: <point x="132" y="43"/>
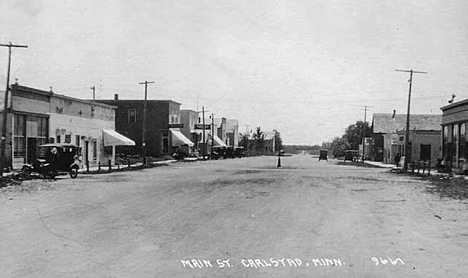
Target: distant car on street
<point x="351" y="155"/>
<point x="323" y="155"/>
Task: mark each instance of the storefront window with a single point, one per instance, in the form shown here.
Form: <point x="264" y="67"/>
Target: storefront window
<point x="455" y="144"/>
<point x="94" y="150"/>
<point x="131" y="115"/>
<point x="462" y="150"/>
<point x="19" y="136"/>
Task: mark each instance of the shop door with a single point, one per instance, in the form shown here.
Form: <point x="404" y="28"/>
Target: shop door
<point x="31" y="149"/>
<point x="86" y="153"/>
<point x="425" y="152"/>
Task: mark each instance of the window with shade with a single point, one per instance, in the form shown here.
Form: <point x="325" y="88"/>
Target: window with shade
<point x="42" y="130"/>
<point x="19" y="136"/>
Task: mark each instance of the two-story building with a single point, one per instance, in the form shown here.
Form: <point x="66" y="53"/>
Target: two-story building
<point x="162" y="125"/>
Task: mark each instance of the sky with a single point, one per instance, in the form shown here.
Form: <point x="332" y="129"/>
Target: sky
<point x="306" y="68"/>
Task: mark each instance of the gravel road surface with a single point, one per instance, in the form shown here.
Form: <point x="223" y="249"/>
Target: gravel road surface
<point x="234" y="218"/>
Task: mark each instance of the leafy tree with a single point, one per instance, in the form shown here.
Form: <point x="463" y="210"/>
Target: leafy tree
<point x="337" y="146"/>
<point x="244" y="141"/>
<point x="278" y="141"/>
<point x="353" y="134"/>
<point x="259" y="139"/>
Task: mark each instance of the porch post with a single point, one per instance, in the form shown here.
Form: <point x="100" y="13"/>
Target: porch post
<point x="113" y="155"/>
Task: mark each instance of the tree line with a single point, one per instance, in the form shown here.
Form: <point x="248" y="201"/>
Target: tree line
<point x="350" y="140"/>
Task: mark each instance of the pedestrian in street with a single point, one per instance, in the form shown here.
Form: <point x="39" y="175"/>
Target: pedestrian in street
<point x="397" y="159"/>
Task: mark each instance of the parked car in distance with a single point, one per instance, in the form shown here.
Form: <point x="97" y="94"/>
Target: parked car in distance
<point x="351" y="155"/>
<point x="323" y="155"/>
<point x="239" y="152"/>
<point x="229" y="153"/>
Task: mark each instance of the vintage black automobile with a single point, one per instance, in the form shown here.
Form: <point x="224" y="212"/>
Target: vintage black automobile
<point x="351" y="155"/>
<point x="239" y="152"/>
<point x="323" y="155"/>
<point x="53" y="159"/>
<point x="218" y="152"/>
<point x="229" y="153"/>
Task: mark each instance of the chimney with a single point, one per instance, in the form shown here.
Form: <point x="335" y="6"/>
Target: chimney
<point x="394" y="114"/>
<point x="116" y="96"/>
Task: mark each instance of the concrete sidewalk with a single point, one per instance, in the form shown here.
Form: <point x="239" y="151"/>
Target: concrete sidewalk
<point x="105" y="168"/>
<point x="381" y="164"/>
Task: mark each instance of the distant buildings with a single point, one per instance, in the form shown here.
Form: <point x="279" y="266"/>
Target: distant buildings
<point x="263" y="145"/>
<point x="232" y="132"/>
<point x="189" y="119"/>
<point x="103" y="128"/>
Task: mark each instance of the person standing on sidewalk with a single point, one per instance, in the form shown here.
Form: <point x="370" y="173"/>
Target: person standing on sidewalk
<point x="397" y="159"/>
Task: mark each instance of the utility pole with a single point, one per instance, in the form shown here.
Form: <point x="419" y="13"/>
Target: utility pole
<point x="94" y="92"/>
<point x="212" y="133"/>
<point x="279" y="151"/>
<point x="204" y="141"/>
<point x="145" y="104"/>
<point x="5" y="107"/>
<point x="407" y="150"/>
<point x="364" y="133"/>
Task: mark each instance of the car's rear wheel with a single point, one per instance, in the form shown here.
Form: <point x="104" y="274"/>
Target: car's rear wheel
<point x="74" y="172"/>
<point x="26" y="170"/>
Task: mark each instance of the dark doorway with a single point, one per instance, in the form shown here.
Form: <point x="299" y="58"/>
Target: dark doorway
<point x="86" y="156"/>
<point x="31" y="149"/>
<point x="425" y="152"/>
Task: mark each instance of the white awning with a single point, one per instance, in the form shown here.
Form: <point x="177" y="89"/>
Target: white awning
<point x="219" y="142"/>
<point x="216" y="140"/>
<point x="112" y="138"/>
<point x="178" y="139"/>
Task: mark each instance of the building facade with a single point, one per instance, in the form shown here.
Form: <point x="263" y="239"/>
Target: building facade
<point x="454" y="136"/>
<point x="424" y="145"/>
<point x="232" y="132"/>
<point x="190" y="119"/>
<point x="162" y="117"/>
<point x="385" y="127"/>
<point x="39" y="117"/>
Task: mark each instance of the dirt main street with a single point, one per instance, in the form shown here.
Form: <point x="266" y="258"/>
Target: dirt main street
<point x="234" y="218"/>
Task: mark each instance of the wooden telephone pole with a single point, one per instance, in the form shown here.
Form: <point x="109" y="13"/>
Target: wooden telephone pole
<point x="5" y="107"/>
<point x="366" y="107"/>
<point x="407" y="150"/>
<point x="94" y="92"/>
<point x="145" y="104"/>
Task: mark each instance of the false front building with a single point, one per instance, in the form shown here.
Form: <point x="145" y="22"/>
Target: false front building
<point x="163" y="125"/>
<point x="37" y="117"/>
<point x="454" y="135"/>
